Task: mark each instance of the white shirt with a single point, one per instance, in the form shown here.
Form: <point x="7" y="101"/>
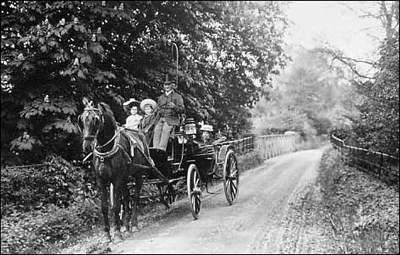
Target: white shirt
<point x="132" y="121"/>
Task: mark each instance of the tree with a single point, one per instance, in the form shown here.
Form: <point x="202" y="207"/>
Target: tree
<point x="378" y="126"/>
<point x="308" y="96"/>
<point x="54" y="53"/>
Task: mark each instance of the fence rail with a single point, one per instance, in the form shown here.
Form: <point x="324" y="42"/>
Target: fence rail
<point x="270" y="145"/>
<point x="380" y="165"/>
<point x="243" y="145"/>
<point x="276" y="145"/>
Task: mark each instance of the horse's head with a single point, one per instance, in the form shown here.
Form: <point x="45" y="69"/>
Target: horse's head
<point x="90" y="122"/>
<point x="96" y="123"/>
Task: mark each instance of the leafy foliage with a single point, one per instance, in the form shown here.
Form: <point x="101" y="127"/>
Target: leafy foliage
<point x="35" y="231"/>
<point x="57" y="182"/>
<point x="378" y="127"/>
<point x="54" y="53"/>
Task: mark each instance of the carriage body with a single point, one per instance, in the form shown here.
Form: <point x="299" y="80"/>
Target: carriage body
<point x="192" y="165"/>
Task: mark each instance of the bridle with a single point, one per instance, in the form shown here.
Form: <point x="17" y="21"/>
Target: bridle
<point x="98" y="116"/>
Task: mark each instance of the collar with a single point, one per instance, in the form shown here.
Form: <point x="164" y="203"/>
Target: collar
<point x="169" y="92"/>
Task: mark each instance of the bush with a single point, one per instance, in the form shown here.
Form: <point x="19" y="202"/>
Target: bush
<point x="56" y="182"/>
<point x="36" y="231"/>
<point x="250" y="160"/>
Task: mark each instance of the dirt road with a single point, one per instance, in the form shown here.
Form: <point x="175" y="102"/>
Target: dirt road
<point x="257" y="223"/>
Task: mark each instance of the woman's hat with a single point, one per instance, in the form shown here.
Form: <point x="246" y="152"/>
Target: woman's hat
<point x="147" y="101"/>
<point x="131" y="101"/>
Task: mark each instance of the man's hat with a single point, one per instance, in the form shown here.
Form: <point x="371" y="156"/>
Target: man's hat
<point x="167" y="80"/>
<point x="147" y="101"/>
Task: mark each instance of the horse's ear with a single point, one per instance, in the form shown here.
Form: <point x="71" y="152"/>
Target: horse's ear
<point x="85" y="101"/>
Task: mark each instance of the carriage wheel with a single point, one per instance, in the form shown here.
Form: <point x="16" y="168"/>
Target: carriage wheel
<point x="231" y="177"/>
<point x="194" y="190"/>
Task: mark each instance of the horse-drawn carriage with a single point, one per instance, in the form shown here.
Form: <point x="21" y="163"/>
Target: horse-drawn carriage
<point x="194" y="163"/>
<point x="122" y="158"/>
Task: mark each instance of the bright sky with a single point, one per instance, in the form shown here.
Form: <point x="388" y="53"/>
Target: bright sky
<point x="316" y="22"/>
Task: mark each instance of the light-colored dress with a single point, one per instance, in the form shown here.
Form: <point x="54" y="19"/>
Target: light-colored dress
<point x="132" y="121"/>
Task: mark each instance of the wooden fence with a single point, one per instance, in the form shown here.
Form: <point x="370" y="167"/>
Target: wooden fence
<point x="380" y="165"/>
<point x="242" y="146"/>
<point x="276" y="145"/>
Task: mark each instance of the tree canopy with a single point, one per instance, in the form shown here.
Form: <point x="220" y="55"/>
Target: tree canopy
<point x="310" y="97"/>
<point x="378" y="127"/>
<point x="54" y="53"/>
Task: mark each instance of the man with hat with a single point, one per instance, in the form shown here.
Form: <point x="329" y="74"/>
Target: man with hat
<point x="170" y="105"/>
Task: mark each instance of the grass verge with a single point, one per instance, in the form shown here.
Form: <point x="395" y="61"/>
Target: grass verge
<point x="362" y="211"/>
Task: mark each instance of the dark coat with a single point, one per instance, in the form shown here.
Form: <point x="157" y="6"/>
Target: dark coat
<point x="171" y="114"/>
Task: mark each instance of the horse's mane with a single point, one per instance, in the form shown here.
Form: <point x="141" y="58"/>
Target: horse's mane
<point x="108" y="113"/>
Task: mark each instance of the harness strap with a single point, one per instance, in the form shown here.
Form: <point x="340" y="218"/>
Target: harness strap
<point x="113" y="151"/>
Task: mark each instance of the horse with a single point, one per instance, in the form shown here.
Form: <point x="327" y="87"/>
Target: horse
<point x="118" y="155"/>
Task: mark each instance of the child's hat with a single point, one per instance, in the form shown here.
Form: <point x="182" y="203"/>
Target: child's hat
<point x="130" y="101"/>
<point x="147" y="101"/>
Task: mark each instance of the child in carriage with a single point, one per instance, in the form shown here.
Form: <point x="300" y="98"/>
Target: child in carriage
<point x="132" y="121"/>
<point x="147" y="123"/>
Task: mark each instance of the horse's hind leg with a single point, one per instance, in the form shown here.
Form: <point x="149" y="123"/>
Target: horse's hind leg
<point x="104" y="209"/>
<point x="138" y="187"/>
<point x="127" y="209"/>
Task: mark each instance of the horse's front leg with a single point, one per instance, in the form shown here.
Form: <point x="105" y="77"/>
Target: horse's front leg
<point x="117" y="209"/>
<point x="104" y="209"/>
<point x="138" y="187"/>
<point x="127" y="207"/>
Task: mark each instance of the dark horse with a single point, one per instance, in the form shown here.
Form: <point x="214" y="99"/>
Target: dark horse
<point x="118" y="154"/>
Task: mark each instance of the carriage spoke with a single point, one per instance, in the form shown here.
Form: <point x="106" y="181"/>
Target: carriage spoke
<point x="233" y="190"/>
<point x="198" y="204"/>
<point x="233" y="175"/>
<point x="233" y="164"/>
<point x="228" y="187"/>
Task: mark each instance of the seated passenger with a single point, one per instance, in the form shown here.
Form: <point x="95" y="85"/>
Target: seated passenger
<point x="147" y="123"/>
<point x="206" y="133"/>
<point x="132" y="120"/>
